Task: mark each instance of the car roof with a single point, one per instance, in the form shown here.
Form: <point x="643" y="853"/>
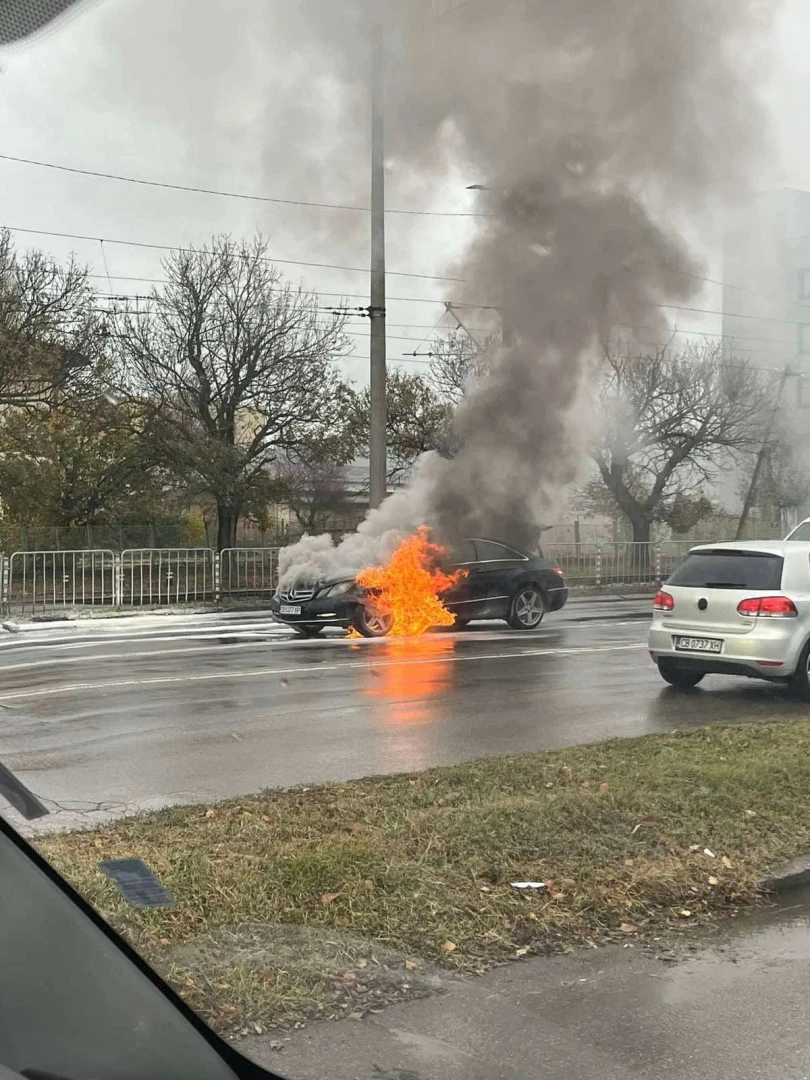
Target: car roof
<point x="764" y="547"/>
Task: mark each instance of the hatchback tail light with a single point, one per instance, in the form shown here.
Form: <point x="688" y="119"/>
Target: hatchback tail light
<point x="558" y="571"/>
<point x="663" y="602"/>
<point x="768" y="607"/>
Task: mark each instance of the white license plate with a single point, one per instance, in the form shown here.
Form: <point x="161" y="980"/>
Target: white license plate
<point x="289" y="609"/>
<point x="698" y="644"/>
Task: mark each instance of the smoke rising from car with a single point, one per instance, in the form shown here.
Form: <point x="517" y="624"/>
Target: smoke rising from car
<point x="593" y="127"/>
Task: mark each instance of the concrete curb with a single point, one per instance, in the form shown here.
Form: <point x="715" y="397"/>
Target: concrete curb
<point x="792" y="875"/>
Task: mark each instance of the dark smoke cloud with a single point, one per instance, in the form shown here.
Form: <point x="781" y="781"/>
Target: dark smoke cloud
<point x="595" y="127"/>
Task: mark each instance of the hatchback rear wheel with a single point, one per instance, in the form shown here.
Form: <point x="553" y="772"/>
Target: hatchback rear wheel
<point x="799" y="682"/>
<point x="680" y="677"/>
<point x="527" y="609"/>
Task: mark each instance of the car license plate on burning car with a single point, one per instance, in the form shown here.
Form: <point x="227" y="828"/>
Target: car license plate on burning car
<point x="289" y="609"/>
<point x="698" y="644"/>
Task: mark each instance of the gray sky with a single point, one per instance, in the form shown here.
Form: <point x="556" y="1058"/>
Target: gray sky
<point x="212" y="93"/>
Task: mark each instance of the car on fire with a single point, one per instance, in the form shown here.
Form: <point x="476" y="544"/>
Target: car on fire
<point x="500" y="582"/>
<point x="741" y="608"/>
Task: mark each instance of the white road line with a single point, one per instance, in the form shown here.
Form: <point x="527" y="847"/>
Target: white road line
<point x="164" y="680"/>
<point x="195" y="650"/>
<point x="282" y="634"/>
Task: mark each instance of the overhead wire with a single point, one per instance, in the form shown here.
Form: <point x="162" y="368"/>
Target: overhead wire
<point x="247" y="196"/>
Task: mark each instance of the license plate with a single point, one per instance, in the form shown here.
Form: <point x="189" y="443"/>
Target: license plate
<point x="288" y="609"/>
<point x="698" y="644"/>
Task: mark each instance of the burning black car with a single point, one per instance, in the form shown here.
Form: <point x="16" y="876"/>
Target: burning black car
<point x="499" y="582"/>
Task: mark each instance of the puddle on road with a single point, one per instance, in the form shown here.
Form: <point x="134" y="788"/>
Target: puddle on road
<point x="740" y="948"/>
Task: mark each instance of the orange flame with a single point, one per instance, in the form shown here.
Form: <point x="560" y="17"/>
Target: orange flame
<point x="408" y="588"/>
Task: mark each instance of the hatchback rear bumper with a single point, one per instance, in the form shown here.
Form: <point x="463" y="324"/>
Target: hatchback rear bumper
<point x="773" y="655"/>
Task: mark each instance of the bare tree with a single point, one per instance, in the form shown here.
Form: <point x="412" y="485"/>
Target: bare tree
<point x="456" y="362"/>
<point x="52" y="337"/>
<point x="671" y="421"/>
<point x="417" y="420"/>
<point x="316" y="494"/>
<point x="237" y="371"/>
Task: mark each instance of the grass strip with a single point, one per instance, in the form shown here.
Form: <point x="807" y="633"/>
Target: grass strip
<point x="335" y="900"/>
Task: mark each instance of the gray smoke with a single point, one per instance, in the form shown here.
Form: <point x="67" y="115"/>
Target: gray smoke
<point x="595" y="126"/>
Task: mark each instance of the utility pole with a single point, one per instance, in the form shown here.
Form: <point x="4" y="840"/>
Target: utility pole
<point x="377" y="444"/>
<point x="763" y="451"/>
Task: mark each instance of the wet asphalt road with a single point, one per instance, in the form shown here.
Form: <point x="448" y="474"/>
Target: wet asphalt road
<point x="104" y="717"/>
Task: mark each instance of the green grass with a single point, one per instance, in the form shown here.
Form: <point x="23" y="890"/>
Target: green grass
<point x="288" y="903"/>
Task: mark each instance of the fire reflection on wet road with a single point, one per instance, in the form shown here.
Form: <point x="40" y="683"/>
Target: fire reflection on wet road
<point x="139" y="714"/>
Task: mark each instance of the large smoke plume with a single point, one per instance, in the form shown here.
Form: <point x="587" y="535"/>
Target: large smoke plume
<point x="594" y="127"/>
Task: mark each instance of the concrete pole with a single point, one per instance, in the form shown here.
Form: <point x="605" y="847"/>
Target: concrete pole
<point x="377" y="445"/>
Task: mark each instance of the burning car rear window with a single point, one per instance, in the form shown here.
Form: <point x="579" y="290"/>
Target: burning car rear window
<point x="728" y="570"/>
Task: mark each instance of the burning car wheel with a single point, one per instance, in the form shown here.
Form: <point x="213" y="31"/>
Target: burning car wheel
<point x="527" y="609"/>
<point x="371" y="625"/>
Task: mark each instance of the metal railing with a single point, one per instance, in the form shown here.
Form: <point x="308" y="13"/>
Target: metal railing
<point x="152" y="577"/>
<point x="39" y="581"/>
<point x="35" y="582"/>
<point x="621" y="563"/>
<point x="245" y="572"/>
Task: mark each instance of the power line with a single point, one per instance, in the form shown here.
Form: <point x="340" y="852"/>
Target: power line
<point x="193" y="251"/>
<point x="232" y="194"/>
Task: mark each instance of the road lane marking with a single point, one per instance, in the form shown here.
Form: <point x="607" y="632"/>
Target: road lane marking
<point x="164" y="680"/>
<point x="248" y="642"/>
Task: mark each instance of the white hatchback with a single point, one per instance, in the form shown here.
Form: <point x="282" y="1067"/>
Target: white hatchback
<point x="741" y="608"/>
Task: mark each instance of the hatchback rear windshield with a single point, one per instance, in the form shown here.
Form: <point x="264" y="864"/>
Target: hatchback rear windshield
<point x="801" y="532"/>
<point x="729" y="570"/>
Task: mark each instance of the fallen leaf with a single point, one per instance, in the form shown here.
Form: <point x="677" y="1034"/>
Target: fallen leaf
<point x="569" y="883"/>
<point x="726" y="861"/>
<point x="485" y="888"/>
<point x="230" y="1009"/>
<point x="686" y="913"/>
<point x="629" y="862"/>
<point x="628" y="928"/>
<point x="265" y="818"/>
<point x="531" y="885"/>
<point x="164" y="941"/>
<point x="694" y="847"/>
<point x="714" y="881"/>
<point x="709" y="853"/>
<point x="449" y="946"/>
<point x="558" y="896"/>
<point x="586" y="783"/>
<point x="354" y="826"/>
<point x="549" y="784"/>
<point x="648" y="821"/>
<point x="567" y="770"/>
<point x="522" y="951"/>
<point x="210" y="813"/>
<point x="329" y="898"/>
<point x="237" y="737"/>
<point x="750" y="813"/>
<point x="603" y="787"/>
<point x="532" y="916"/>
<point x="410" y="965"/>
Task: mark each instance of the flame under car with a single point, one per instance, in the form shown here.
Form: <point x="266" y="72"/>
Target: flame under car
<point x="499" y="582"/>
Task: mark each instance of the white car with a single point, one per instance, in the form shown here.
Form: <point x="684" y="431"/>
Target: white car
<point x="801" y="532"/>
<point x="740" y="608"/>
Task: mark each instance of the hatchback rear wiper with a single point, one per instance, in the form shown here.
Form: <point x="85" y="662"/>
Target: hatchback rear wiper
<point x="724" y="585"/>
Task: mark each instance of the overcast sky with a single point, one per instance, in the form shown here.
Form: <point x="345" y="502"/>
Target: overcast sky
<point x="212" y="93"/>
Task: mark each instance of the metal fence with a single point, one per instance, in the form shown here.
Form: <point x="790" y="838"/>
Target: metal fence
<point x="155" y="577"/>
<point x="39" y="581"/>
<point x="622" y="563"/>
<point x="35" y="582"/>
<point x="246" y="572"/>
